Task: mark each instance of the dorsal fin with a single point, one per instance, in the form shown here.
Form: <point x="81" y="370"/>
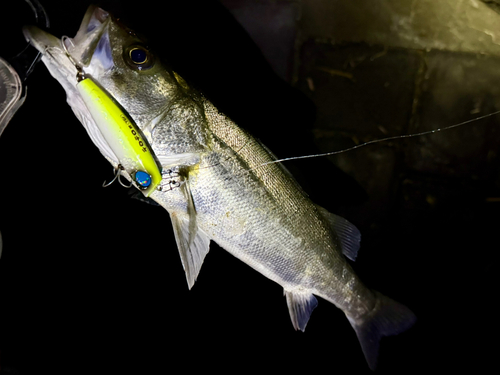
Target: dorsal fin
<point x="348" y="234"/>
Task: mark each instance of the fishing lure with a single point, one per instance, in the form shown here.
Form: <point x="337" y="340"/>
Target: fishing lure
<point x="131" y="148"/>
<point x="123" y="136"/>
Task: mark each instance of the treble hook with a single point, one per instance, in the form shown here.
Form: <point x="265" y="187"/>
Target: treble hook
<point x="80" y="74"/>
<point x="117" y="170"/>
<point x="65" y="38"/>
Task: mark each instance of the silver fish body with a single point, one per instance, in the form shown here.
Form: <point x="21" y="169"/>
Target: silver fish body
<point x="219" y="183"/>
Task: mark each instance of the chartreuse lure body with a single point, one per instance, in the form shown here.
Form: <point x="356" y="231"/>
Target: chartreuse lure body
<point x="122" y="135"/>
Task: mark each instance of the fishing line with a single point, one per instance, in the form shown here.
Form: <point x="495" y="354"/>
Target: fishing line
<point x="363" y="144"/>
<point x="383" y="140"/>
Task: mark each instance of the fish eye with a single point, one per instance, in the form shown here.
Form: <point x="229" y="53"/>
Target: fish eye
<point x="138" y="57"/>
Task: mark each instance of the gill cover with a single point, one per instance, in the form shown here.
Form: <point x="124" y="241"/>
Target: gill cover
<point x="123" y="136"/>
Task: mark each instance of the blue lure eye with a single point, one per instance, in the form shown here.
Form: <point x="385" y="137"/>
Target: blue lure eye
<point x="138" y="55"/>
<point x="143" y="179"/>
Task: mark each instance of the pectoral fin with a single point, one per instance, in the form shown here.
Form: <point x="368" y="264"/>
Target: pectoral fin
<point x="193" y="247"/>
<point x="348" y="234"/>
<point x="192" y="242"/>
<point x="300" y="306"/>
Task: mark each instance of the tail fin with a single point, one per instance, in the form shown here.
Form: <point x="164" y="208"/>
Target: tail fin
<point x="387" y="318"/>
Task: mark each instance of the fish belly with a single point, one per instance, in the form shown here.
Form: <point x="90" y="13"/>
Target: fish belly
<point x="259" y="214"/>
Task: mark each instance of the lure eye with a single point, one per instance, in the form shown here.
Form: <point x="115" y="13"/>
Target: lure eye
<point x="138" y="57"/>
<point x="143" y="179"/>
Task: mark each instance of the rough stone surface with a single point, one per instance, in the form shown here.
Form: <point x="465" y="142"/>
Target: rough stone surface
<point x="454" y="25"/>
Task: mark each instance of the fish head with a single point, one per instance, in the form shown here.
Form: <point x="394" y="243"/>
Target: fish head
<point x="118" y="60"/>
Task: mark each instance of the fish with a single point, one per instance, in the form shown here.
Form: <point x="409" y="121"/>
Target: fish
<point x="217" y="182"/>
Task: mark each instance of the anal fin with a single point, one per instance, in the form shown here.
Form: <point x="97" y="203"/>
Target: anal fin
<point x="300" y="306"/>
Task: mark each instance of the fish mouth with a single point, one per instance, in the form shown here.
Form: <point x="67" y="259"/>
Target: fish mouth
<point x="66" y="57"/>
<point x="41" y="40"/>
<point x="91" y="38"/>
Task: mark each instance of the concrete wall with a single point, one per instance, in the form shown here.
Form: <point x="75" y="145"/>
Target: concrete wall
<point x="453" y="25"/>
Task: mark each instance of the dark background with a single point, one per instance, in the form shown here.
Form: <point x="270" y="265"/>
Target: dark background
<point x="91" y="280"/>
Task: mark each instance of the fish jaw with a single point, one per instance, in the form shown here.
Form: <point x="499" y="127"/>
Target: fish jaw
<point x="90" y="40"/>
<point x="53" y="56"/>
<point x="91" y="44"/>
<point x="88" y="44"/>
<point x="62" y="67"/>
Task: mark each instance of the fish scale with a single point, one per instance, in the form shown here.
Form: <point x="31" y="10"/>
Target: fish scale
<point x="275" y="190"/>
